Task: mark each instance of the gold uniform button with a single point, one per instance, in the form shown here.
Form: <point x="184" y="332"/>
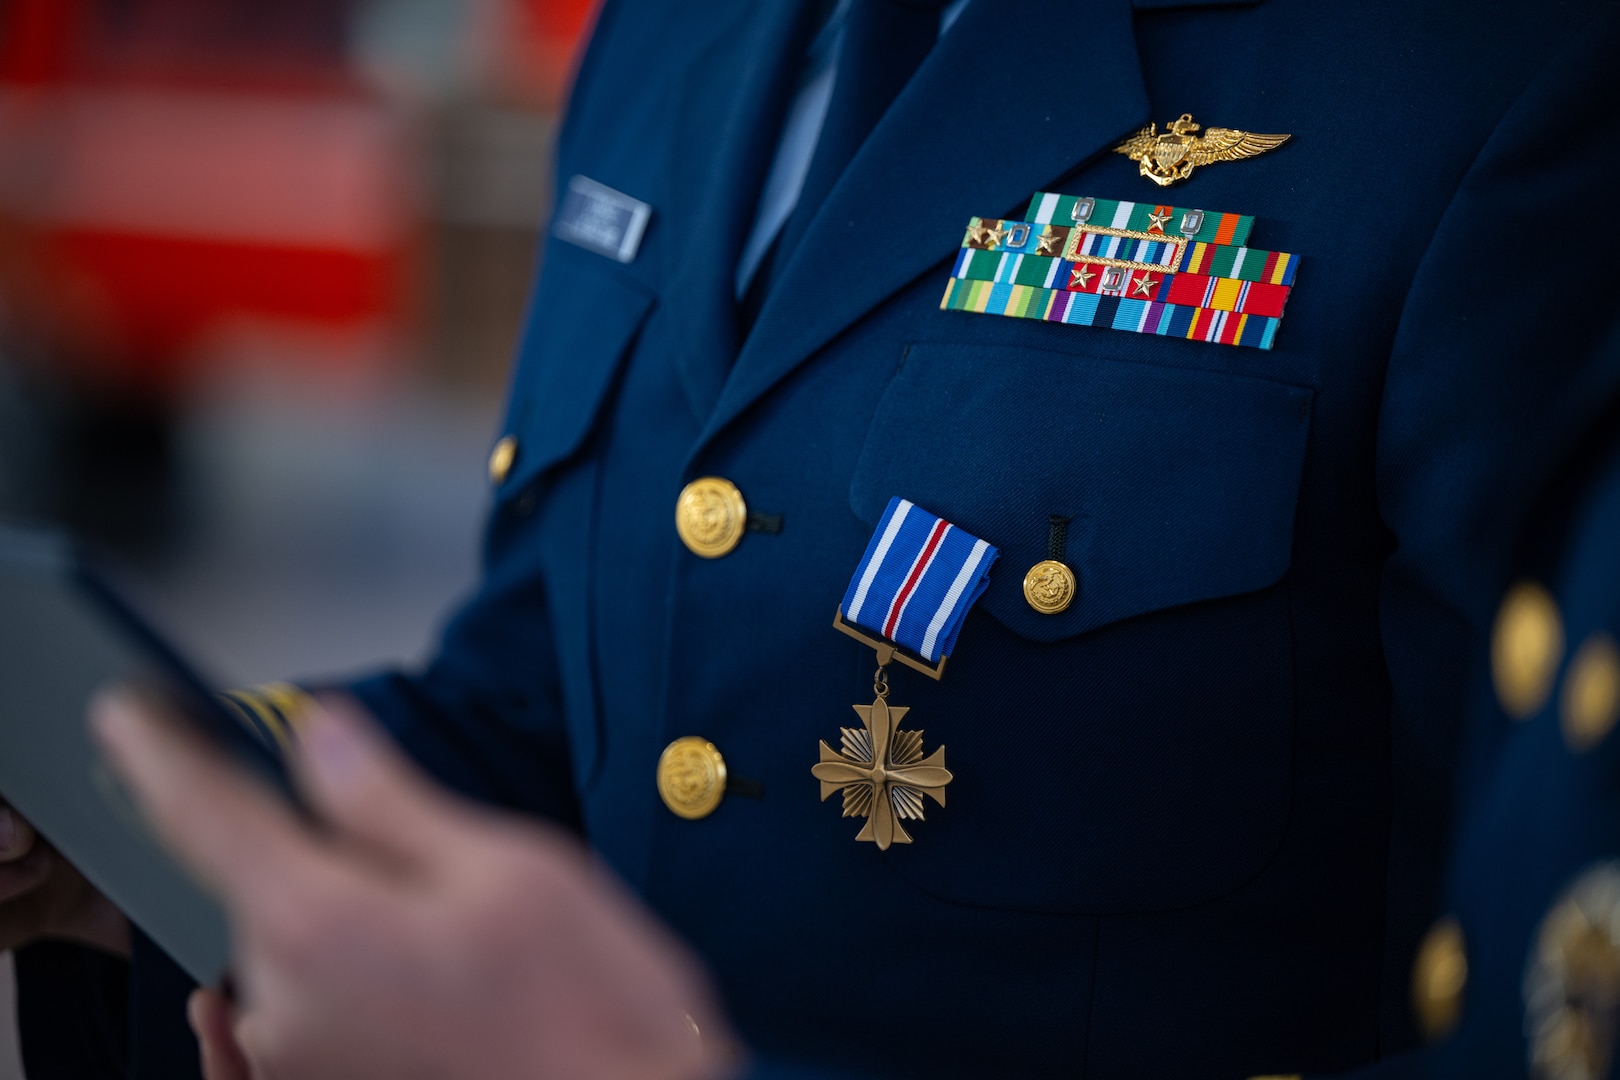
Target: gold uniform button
<point x="501" y="459"/>
<point x="1049" y="587"/>
<point x="691" y="777"/>
<point x="1591" y="696"/>
<point x="710" y="516"/>
<point x="1439" y="978"/>
<point x="1525" y="646"/>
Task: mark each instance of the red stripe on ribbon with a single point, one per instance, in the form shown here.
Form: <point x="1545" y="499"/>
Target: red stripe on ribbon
<point x="1200" y="324"/>
<point x="1187" y="289"/>
<point x="915" y="576"/>
<point x="1229" y="331"/>
<point x="1266" y="299"/>
<point x="1270" y="267"/>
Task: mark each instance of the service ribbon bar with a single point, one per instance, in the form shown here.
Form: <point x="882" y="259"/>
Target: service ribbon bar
<point x="1206" y="226"/>
<point x="917" y="580"/>
<point x="1150" y="280"/>
<point x="1114" y="312"/>
<point x="988" y="238"/>
<point x="1263" y="287"/>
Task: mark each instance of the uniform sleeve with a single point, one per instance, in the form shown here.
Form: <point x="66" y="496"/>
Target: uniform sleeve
<point x="485" y="716"/>
<point x="1496" y="346"/>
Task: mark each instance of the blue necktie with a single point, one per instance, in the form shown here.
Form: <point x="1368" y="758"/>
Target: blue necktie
<point x="884" y="43"/>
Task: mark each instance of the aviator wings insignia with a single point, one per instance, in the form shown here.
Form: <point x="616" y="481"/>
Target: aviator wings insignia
<point x="1168" y="156"/>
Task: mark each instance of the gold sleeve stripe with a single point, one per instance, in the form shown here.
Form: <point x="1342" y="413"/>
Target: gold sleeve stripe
<point x="291" y="702"/>
<point x="240" y="710"/>
<point x="261" y="710"/>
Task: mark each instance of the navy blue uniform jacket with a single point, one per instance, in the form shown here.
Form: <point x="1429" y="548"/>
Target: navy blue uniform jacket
<point x="1167" y="850"/>
<point x="1197" y="817"/>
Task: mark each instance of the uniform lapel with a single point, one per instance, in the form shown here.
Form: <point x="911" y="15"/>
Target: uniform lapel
<point x="984" y="124"/>
<point x="727" y="123"/>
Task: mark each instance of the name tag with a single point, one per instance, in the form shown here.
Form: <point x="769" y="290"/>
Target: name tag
<point x="596" y="217"/>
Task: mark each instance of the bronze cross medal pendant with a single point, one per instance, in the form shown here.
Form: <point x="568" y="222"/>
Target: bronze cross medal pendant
<point x="881" y="770"/>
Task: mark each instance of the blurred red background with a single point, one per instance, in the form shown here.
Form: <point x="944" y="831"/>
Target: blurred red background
<point x="338" y="194"/>
<point x="172" y="171"/>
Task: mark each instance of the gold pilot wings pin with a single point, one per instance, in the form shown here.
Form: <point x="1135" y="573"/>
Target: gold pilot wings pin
<point x="1168" y="156"/>
<point x="1143" y="267"/>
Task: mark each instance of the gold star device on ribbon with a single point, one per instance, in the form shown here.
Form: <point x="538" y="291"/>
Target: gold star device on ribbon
<point x="1168" y="156"/>
<point x="907" y="600"/>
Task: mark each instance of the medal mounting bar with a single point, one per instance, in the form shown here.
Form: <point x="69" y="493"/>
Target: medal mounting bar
<point x="887" y="651"/>
<point x="1078" y="234"/>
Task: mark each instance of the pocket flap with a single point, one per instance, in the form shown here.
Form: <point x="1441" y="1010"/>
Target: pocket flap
<point x="584" y="316"/>
<point x="1176" y="485"/>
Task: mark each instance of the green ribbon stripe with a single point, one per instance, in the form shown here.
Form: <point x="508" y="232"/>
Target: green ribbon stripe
<point x="1105" y="210"/>
<point x="1030" y="269"/>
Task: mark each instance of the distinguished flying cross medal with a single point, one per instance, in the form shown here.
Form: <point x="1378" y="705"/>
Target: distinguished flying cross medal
<point x="1168" y="156"/>
<point x="907" y="600"/>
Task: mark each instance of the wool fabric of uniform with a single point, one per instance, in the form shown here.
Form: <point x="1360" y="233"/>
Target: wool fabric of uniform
<point x="1233" y="748"/>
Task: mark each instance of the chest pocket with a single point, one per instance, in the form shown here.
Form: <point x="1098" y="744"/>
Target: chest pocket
<point x="587" y="313"/>
<point x="1133" y="751"/>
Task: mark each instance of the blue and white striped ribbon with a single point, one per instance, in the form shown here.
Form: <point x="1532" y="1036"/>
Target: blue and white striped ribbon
<point x="919" y="576"/>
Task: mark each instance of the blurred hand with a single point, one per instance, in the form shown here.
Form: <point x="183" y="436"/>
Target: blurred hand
<point x="42" y="896"/>
<point x="417" y="935"/>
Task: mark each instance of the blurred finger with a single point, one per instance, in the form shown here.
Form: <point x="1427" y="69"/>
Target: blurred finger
<point x="213" y="1018"/>
<point x="25" y="874"/>
<point x="258" y="1047"/>
<point x="358" y="780"/>
<point x="17" y="836"/>
<point x="239" y="837"/>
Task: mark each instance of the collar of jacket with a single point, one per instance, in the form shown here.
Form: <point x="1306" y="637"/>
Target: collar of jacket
<point x="929" y="165"/>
